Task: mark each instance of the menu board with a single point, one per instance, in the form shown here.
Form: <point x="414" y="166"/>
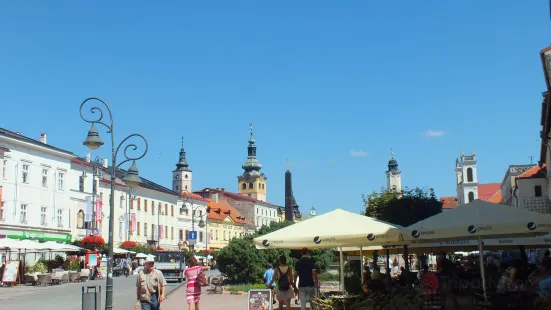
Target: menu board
<point x="11" y="271"/>
<point x="260" y="299"/>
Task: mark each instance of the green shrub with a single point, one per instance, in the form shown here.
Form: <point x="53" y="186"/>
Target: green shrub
<point x="39" y="267"/>
<point x="328" y="276"/>
<point x="245" y="287"/>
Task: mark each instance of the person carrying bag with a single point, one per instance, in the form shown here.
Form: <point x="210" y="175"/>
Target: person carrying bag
<point x="150" y="287"/>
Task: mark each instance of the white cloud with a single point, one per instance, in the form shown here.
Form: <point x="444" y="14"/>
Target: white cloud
<point x="359" y="153"/>
<point x="433" y="133"/>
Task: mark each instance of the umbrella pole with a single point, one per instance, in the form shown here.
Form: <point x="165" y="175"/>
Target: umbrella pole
<point x="481" y="262"/>
<point x="361" y="263"/>
<point x="341" y="258"/>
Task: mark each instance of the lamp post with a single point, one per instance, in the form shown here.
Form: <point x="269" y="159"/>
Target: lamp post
<point x="131" y="178"/>
<point x="130" y="198"/>
<point x="200" y="224"/>
<point x="97" y="172"/>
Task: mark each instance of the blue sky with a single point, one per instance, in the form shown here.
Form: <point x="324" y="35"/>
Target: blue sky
<point x="321" y="81"/>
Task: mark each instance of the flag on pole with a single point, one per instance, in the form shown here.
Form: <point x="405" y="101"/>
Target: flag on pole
<point x="89" y="209"/>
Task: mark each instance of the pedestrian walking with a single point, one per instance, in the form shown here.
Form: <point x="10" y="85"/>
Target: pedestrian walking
<point x="195" y="279"/>
<point x="150" y="286"/>
<point x="285" y="282"/>
<point x="125" y="267"/>
<point x="308" y="286"/>
<point x="268" y="276"/>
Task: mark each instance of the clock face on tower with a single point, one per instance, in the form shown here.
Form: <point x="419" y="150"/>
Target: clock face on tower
<point x="247" y="177"/>
<point x="177" y="176"/>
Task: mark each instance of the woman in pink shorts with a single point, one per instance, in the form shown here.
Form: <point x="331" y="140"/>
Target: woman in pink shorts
<point x="195" y="279"/>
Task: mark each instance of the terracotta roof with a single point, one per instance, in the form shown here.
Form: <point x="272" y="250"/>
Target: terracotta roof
<point x="192" y="196"/>
<point x="486" y="191"/>
<point x="532" y="172"/>
<point x="496" y="198"/>
<point x="448" y="202"/>
<point x="222" y="209"/>
<point x="81" y="162"/>
<point x="236" y="196"/>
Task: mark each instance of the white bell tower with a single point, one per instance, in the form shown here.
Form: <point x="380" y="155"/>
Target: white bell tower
<point x="466" y="178"/>
<point x="393" y="176"/>
<point x="182" y="176"/>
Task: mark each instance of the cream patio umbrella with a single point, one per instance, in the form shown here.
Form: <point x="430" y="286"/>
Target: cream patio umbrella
<point x="479" y="220"/>
<point x="337" y="228"/>
<point x="331" y="230"/>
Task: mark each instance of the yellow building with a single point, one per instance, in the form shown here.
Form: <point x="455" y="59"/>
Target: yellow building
<point x="225" y="223"/>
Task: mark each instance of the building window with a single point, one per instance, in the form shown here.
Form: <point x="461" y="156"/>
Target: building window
<point x="471" y="196"/>
<point x="145" y="205"/>
<point x="80" y="219"/>
<point x="44" y="177"/>
<point x="60" y="218"/>
<point x="4" y="169"/>
<point x="81" y="183"/>
<point x="172" y="210"/>
<point x="187" y="235"/>
<point x="537" y="190"/>
<point x="2" y="210"/>
<point x="172" y="233"/>
<point x="23" y="214"/>
<point x="145" y="229"/>
<point x="153" y="232"/>
<point x="131" y="203"/>
<point x="181" y="235"/>
<point x="138" y="228"/>
<point x="469" y="174"/>
<point x="177" y="188"/>
<point x="60" y="180"/>
<point x="250" y="185"/>
<point x="243" y="186"/>
<point x="139" y="204"/>
<point x="217" y="234"/>
<point x="25" y="174"/>
<point x="43" y="211"/>
<point x="200" y="236"/>
<point x="185" y="176"/>
<point x="186" y="187"/>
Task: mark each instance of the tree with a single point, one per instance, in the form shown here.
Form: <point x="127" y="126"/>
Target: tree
<point x="241" y="262"/>
<point x="413" y="206"/>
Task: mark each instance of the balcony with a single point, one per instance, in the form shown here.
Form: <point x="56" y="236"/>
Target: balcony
<point x="535" y="204"/>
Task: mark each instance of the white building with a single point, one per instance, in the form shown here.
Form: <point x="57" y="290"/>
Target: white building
<point x="525" y="186"/>
<point x="192" y="210"/>
<point x="265" y="214"/>
<point x="36" y="190"/>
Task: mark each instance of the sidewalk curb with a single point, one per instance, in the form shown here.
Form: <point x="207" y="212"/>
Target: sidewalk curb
<point x="175" y="289"/>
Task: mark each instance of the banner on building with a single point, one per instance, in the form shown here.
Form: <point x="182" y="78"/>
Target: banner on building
<point x="99" y="208"/>
<point x="88" y="209"/>
<point x="133" y="223"/>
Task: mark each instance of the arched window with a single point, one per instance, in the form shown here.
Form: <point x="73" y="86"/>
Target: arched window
<point x="243" y="186"/>
<point x="250" y="185"/>
<point x="185" y="176"/>
<point x="469" y="174"/>
<point x="80" y="219"/>
<point x="471" y="195"/>
<point x="186" y="187"/>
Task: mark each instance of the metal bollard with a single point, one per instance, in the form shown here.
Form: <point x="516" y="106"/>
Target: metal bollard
<point x="91" y="299"/>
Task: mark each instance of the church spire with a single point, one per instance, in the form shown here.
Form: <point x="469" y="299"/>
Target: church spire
<point x="393" y="164"/>
<point x="251" y="165"/>
<point x="182" y="162"/>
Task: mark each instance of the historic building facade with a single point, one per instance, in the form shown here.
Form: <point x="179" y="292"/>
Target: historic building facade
<point x="36" y="189"/>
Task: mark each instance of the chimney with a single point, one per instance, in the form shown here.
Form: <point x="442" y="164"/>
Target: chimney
<point x="88" y="157"/>
<point x="105" y="163"/>
<point x="43" y="138"/>
<point x="223" y="189"/>
<point x="215" y="197"/>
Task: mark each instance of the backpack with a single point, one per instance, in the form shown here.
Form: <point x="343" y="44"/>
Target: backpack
<point x="283" y="280"/>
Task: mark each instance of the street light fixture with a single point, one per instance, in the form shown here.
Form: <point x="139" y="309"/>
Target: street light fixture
<point x="132" y="179"/>
<point x="201" y="224"/>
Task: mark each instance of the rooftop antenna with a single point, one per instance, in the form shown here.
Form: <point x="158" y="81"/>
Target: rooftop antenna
<point x="288" y="164"/>
<point x="531" y="159"/>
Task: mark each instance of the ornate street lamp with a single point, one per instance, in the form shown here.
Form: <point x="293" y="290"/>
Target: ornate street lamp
<point x="131" y="179"/>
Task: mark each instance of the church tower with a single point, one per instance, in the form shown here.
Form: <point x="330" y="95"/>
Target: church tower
<point x="466" y="178"/>
<point x="182" y="175"/>
<point x="393" y="176"/>
<point x="252" y="182"/>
